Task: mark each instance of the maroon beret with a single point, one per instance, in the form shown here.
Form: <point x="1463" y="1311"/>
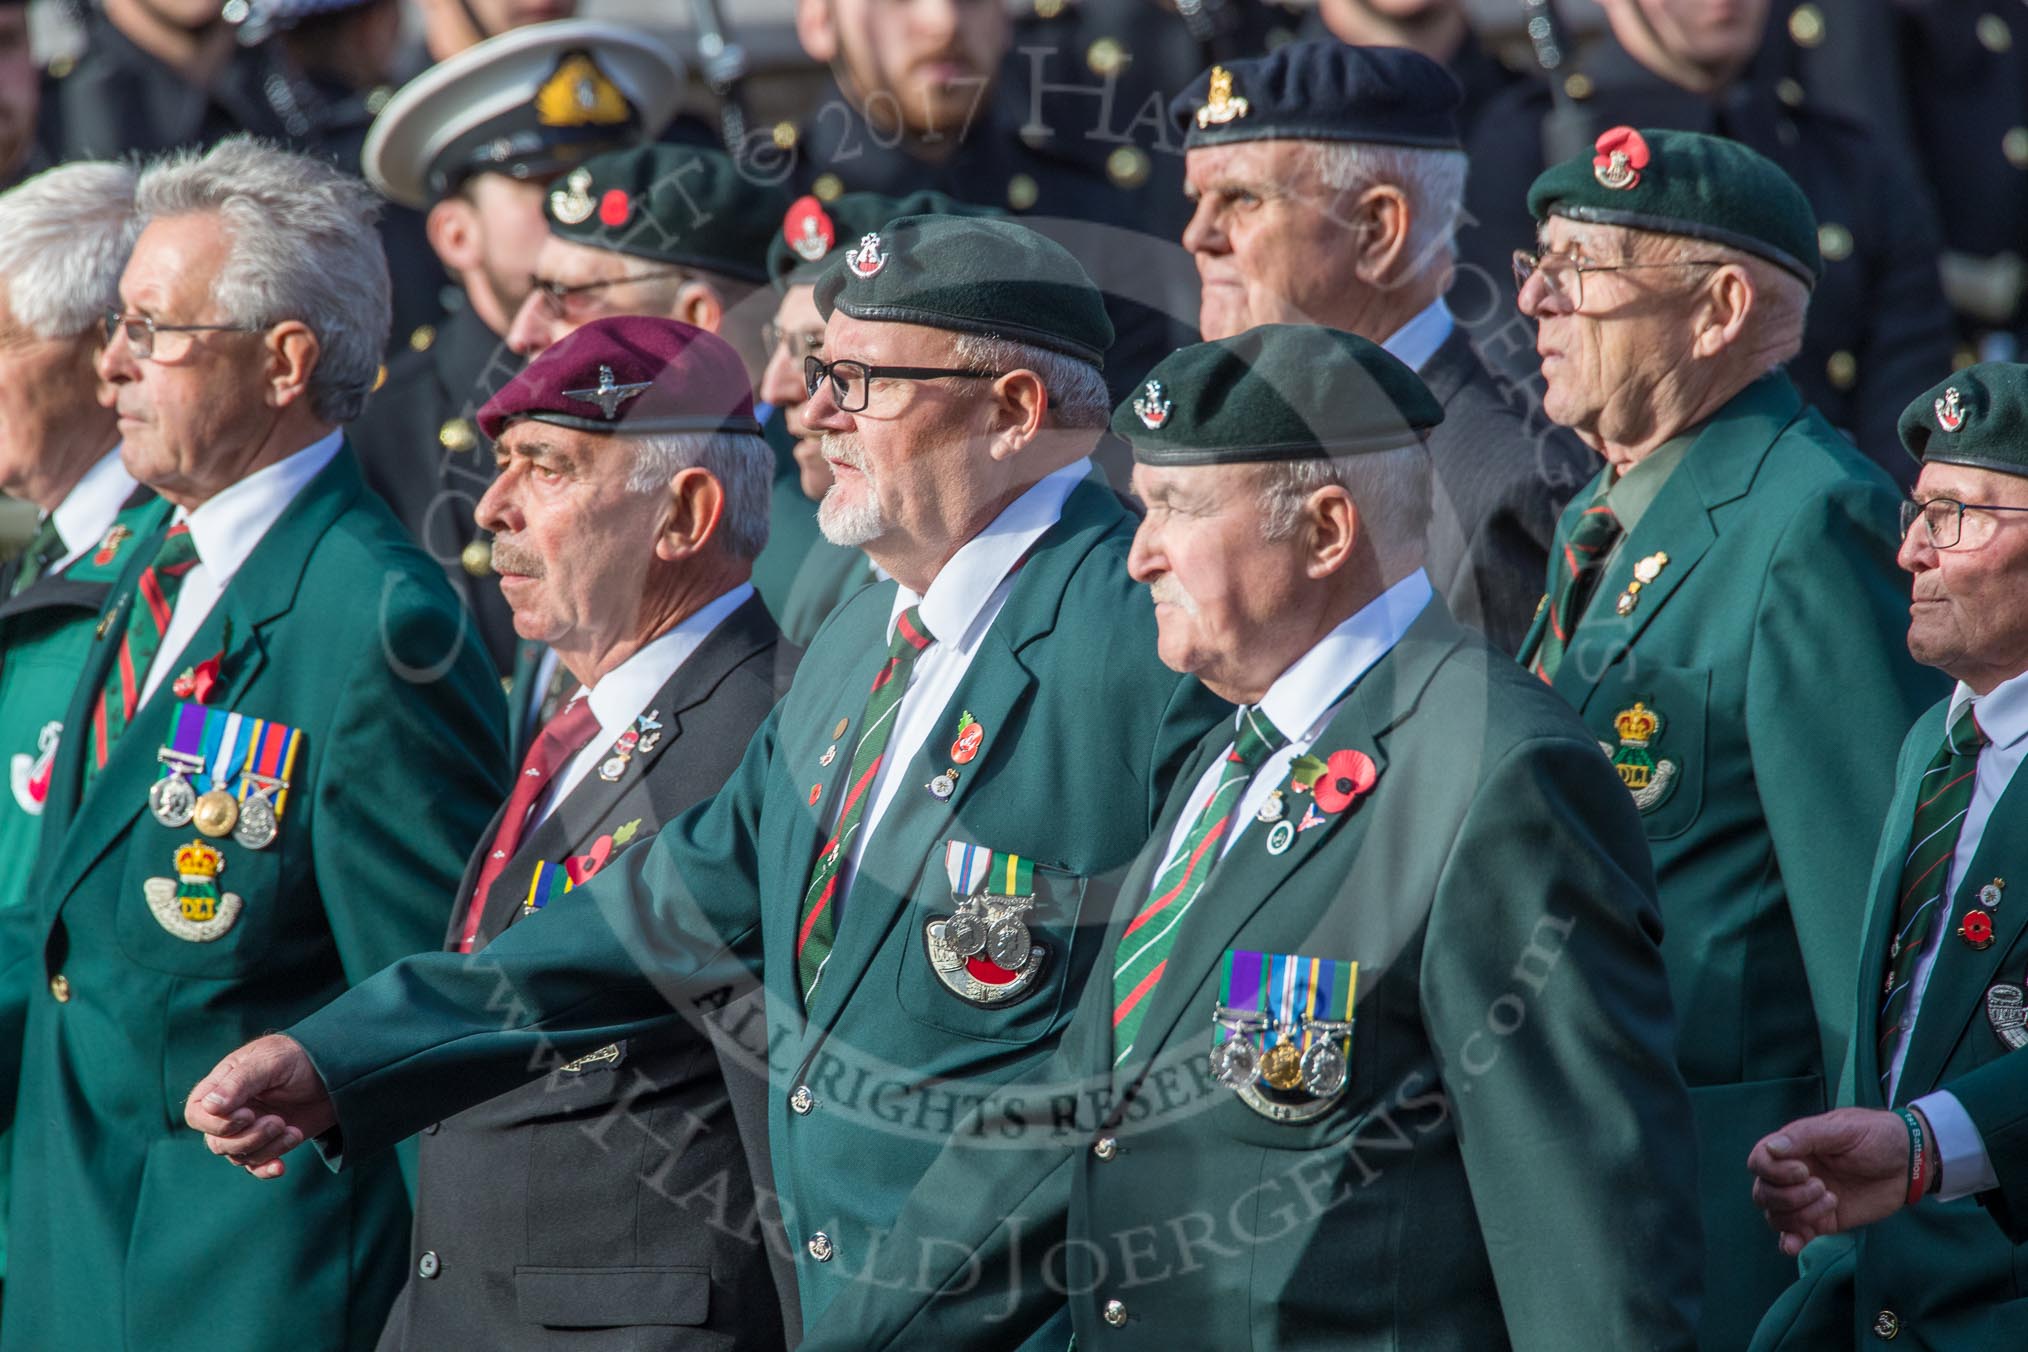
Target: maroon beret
<point x="632" y="375"/>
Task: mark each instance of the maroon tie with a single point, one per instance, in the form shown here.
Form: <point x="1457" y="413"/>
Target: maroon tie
<point x="560" y="740"/>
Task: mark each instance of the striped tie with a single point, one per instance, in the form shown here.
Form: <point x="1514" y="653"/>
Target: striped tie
<point x="1591" y="539"/>
<point x="1145" y="944"/>
<point x="147" y="620"/>
<point x="42" y="552"/>
<point x="819" y="927"/>
<point x="1940" y="814"/>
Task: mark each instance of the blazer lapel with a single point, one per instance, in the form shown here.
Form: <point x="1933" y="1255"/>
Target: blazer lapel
<point x="1898" y="824"/>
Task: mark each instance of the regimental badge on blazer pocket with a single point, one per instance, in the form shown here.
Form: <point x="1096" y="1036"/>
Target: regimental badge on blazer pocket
<point x="1282" y="1032"/>
<point x="1655" y="741"/>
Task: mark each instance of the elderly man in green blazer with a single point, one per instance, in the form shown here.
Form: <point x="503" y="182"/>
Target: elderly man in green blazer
<point x="1380" y="1052"/>
<point x="1724" y="613"/>
<point x="1932" y="1124"/>
<point x="232" y="833"/>
<point x="994" y="718"/>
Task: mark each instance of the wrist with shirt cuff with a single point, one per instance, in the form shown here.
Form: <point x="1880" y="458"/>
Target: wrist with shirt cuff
<point x="1962" y="1165"/>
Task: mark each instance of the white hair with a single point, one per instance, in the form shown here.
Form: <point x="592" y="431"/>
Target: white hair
<point x="64" y="239"/>
<point x="1782" y="301"/>
<point x="740" y="461"/>
<point x="1391" y="490"/>
<point x="303" y="248"/>
<point x="1078" y="399"/>
<point x="1433" y="181"/>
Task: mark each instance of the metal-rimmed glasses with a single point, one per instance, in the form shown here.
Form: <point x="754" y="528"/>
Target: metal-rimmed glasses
<point x="1563" y="275"/>
<point x="852" y="381"/>
<point x="561" y="299"/>
<point x="144" y="335"/>
<point x="801" y="343"/>
<point x="1944" y="519"/>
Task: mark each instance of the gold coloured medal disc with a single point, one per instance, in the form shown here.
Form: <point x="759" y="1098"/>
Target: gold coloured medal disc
<point x="216" y="813"/>
<point x="1282" y="1067"/>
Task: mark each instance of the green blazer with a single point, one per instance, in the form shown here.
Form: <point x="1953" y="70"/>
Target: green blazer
<point x="1083" y="730"/>
<point x="127" y="1232"/>
<point x="1771" y="647"/>
<point x="1942" y="1274"/>
<point x="1510" y="1161"/>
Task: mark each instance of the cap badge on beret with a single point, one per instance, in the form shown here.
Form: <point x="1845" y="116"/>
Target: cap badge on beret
<point x="1221" y="105"/>
<point x="1950" y="416"/>
<point x="1621" y="155"/>
<point x="1152" y="406"/>
<point x="579" y="94"/>
<point x="866" y="260"/>
<point x="809" y="229"/>
<point x="572" y="203"/>
<point x="609" y="395"/>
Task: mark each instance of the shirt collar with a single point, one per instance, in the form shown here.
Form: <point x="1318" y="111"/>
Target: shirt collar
<point x="962" y="587"/>
<point x="625" y="691"/>
<point x="1302" y="698"/>
<point x="1415" y="342"/>
<point x="226" y="527"/>
<point x="1635" y="490"/>
<point x="2002" y="711"/>
<point x="88" y="510"/>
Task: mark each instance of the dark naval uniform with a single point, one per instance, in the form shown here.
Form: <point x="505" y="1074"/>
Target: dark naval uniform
<point x="1878" y="326"/>
<point x="1481" y="75"/>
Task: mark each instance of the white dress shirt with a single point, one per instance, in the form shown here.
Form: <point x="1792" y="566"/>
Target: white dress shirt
<point x="2002" y="713"/>
<point x="87" y="512"/>
<point x="623" y="693"/>
<point x="1415" y="342"/>
<point x="225" y="529"/>
<point x="1304" y="699"/>
<point x="958" y="610"/>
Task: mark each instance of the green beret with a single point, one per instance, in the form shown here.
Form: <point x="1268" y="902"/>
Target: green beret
<point x="1978" y="417"/>
<point x="684" y="205"/>
<point x="814" y="232"/>
<point x="1276" y="392"/>
<point x="971" y="274"/>
<point x="1686" y="183"/>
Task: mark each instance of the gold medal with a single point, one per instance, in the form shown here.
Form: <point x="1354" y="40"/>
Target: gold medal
<point x="216" y="813"/>
<point x="1282" y="1067"/>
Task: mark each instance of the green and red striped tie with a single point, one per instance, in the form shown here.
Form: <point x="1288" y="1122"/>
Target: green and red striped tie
<point x="1945" y="795"/>
<point x="819" y="925"/>
<point x="1591" y="539"/>
<point x="147" y="621"/>
<point x="1144" y="948"/>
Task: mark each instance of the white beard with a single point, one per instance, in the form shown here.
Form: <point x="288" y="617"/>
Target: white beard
<point x="849" y="525"/>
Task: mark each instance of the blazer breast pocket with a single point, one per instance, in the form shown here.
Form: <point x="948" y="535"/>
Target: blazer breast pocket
<point x="1650" y="722"/>
<point x="988" y="951"/>
<point x="195" y="906"/>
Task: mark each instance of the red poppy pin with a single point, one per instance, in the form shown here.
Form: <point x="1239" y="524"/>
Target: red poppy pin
<point x="197" y="683"/>
<point x="1620" y="156"/>
<point x="1348" y="776"/>
<point x="615" y="207"/>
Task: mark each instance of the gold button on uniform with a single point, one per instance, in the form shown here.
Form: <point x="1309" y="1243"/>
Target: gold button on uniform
<point x="422" y="338"/>
<point x="1834" y="241"/>
<point x="1842" y="370"/>
<point x="1578" y="86"/>
<point x="1106" y="58"/>
<point x="1127" y="167"/>
<point x="457" y="436"/>
<point x="826" y="187"/>
<point x="477" y="557"/>
<point x="1115" y="1312"/>
<point x="2014" y="145"/>
<point x="1806" y="25"/>
<point x="1022" y="192"/>
<point x="59" y="987"/>
<point x="1994" y="35"/>
<point x="1887" y="1325"/>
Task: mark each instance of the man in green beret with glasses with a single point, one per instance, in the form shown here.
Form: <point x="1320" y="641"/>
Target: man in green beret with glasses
<point x="1388" y="967"/>
<point x="1931" y="1128"/>
<point x="921" y="848"/>
<point x="1724" y="613"/>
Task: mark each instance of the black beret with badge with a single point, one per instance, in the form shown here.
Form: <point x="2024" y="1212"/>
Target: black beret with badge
<point x="1977" y="417"/>
<point x="1275" y="392"/>
<point x="1686" y="183"/>
<point x="971" y="274"/>
<point x="815" y="232"/>
<point x="529" y="103"/>
<point x="689" y="206"/>
<point x="1323" y="91"/>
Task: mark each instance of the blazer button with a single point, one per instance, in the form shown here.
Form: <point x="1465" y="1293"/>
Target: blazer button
<point x="1105" y="1147"/>
<point x="1115" y="1312"/>
<point x="59" y="988"/>
<point x="820" y="1247"/>
<point x="802" y="1101"/>
<point x="429" y="1266"/>
<point x="1887" y="1325"/>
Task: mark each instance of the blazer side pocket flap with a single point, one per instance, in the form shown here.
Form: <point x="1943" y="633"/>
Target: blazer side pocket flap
<point x="588" y="1298"/>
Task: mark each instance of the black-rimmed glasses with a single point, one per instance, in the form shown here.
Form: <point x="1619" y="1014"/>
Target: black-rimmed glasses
<point x="1944" y="518"/>
<point x="852" y="381"/>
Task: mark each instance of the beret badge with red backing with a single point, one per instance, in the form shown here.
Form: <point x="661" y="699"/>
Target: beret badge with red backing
<point x="1620" y="156"/>
<point x="614" y="208"/>
<point x="866" y="260"/>
<point x="1950" y="413"/>
<point x="809" y="229"/>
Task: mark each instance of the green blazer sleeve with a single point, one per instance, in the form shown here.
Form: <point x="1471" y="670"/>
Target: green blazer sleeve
<point x="1996" y="1097"/>
<point x="1816" y="1313"/>
<point x="438" y="1032"/>
<point x="1831" y="587"/>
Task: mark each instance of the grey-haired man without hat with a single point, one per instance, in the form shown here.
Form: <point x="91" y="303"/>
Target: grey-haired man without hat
<point x="921" y="847"/>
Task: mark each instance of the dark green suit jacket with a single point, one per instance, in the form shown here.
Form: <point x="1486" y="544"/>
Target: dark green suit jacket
<point x="1083" y="732"/>
<point x="127" y="1233"/>
<point x="1510" y="1163"/>
<point x="1947" y="1277"/>
<point x="1770" y="645"/>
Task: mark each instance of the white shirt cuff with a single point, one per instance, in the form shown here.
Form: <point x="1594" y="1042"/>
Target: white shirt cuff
<point x="1965" y="1167"/>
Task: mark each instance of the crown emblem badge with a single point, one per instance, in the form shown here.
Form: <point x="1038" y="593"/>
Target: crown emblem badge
<point x="1221" y="105"/>
<point x="1649" y="778"/>
<point x="1950" y="414"/>
<point x="190" y="906"/>
<point x="1152" y="406"/>
<point x="866" y="260"/>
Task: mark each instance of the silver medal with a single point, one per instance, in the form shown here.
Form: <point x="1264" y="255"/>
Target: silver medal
<point x="1324" y="1068"/>
<point x="256" y="828"/>
<point x="943" y="786"/>
<point x="965" y="932"/>
<point x="1235" y="1062"/>
<point x="614" y="767"/>
<point x="1007" y="942"/>
<point x="173" y="801"/>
